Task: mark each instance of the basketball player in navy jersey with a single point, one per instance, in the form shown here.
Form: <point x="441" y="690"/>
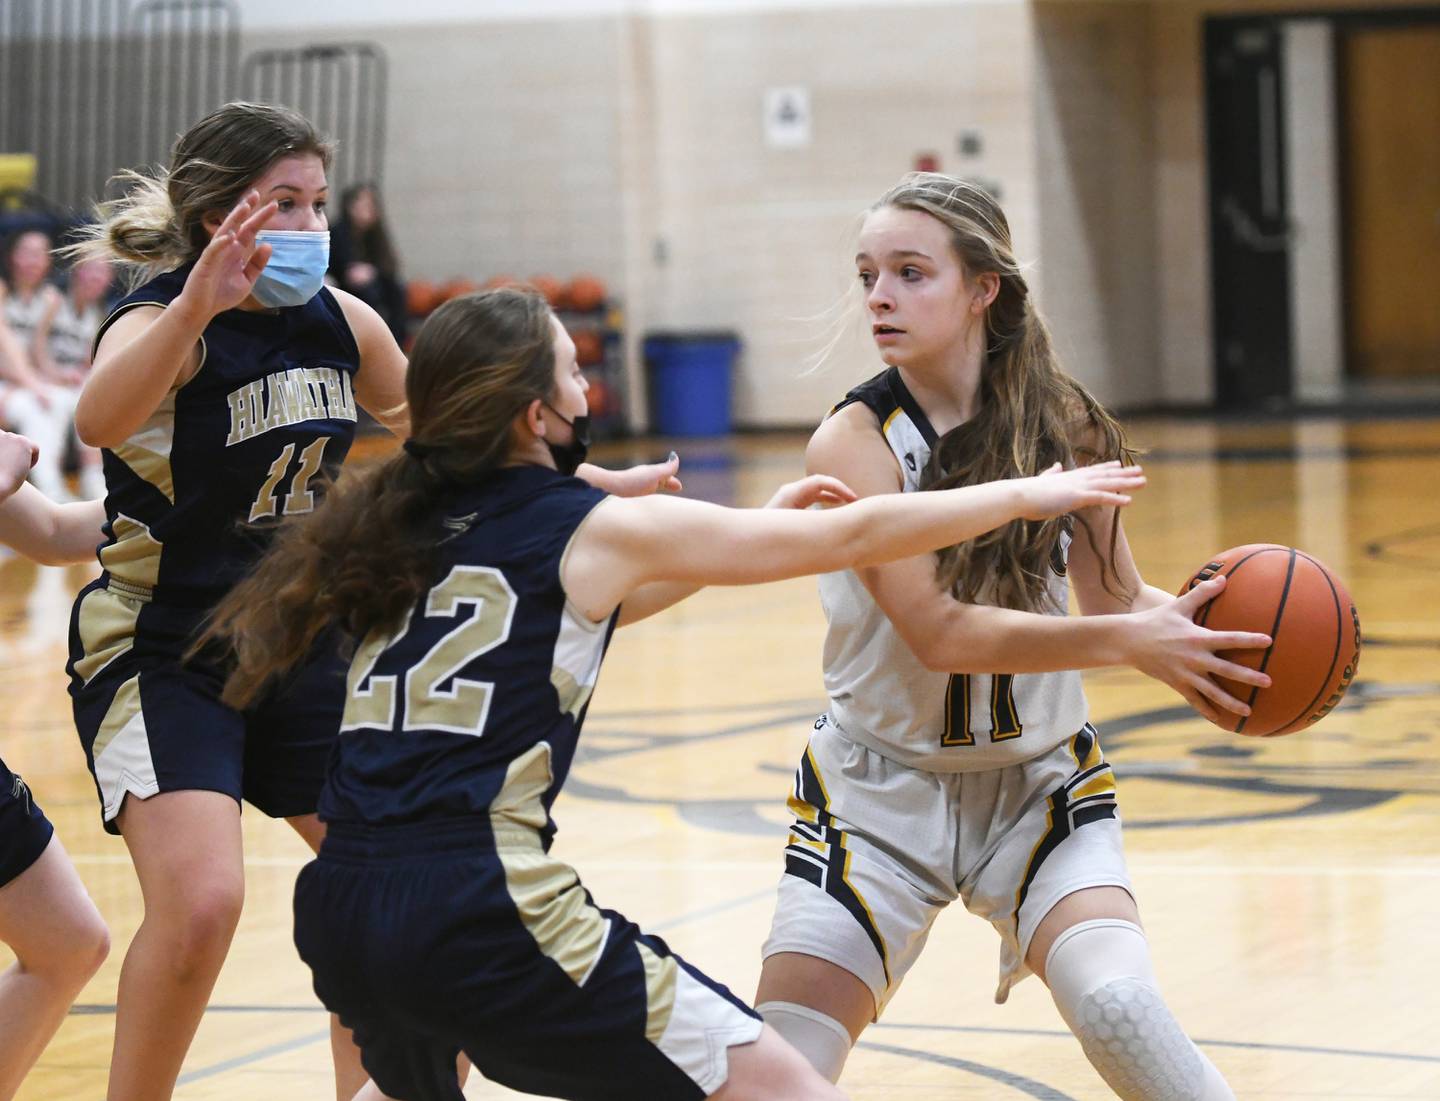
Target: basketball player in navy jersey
<point x="955" y="760"/>
<point x="481" y="584"/>
<point x="46" y="917"/>
<point x="225" y="392"/>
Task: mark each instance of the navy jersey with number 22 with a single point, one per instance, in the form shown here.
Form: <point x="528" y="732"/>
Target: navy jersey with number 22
<point x="473" y="707"/>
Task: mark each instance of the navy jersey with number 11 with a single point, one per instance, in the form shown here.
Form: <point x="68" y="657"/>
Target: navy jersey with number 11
<point x="251" y="436"/>
<point x="473" y="707"/>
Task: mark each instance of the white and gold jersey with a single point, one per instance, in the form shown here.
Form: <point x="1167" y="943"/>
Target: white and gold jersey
<point x="883" y="697"/>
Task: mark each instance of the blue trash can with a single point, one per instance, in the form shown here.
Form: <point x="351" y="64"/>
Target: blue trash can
<point x="689" y="375"/>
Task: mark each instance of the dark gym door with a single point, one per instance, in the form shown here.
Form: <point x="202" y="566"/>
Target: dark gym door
<point x="1249" y="227"/>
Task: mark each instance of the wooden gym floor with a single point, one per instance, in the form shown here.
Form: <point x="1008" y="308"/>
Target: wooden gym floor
<point x="1289" y="887"/>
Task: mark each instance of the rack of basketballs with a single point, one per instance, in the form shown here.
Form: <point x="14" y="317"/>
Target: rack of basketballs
<point x="584" y="307"/>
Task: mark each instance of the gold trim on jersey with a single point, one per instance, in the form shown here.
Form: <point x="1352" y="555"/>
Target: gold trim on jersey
<point x="661" y="977"/>
<point x="133" y="554"/>
<point x="548" y="897"/>
<point x="124" y="707"/>
<point x="147" y="451"/>
<point x="885" y="428"/>
<point x="520" y="801"/>
<point x="120" y="752"/>
<point x="106" y="626"/>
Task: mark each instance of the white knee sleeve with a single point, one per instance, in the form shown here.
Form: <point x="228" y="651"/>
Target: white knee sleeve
<point x="824" y="1041"/>
<point x="1100" y="977"/>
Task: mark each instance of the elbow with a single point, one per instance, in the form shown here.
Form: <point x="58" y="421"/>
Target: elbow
<point x="93" y="432"/>
<point x="931" y="653"/>
<point x="940" y="651"/>
<point x="934" y="659"/>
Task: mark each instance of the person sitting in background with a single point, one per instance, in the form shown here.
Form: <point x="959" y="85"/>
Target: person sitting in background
<point x="66" y="343"/>
<point x="362" y="258"/>
<point x="30" y="401"/>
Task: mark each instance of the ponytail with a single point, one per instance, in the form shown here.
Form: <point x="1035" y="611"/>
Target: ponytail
<point x="359" y="562"/>
<point x="368" y="552"/>
<point x="139" y="231"/>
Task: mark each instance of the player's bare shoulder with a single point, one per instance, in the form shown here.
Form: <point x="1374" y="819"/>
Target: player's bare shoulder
<point x="849" y="445"/>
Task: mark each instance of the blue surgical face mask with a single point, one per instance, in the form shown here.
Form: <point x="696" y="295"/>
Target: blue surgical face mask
<point x="296" y="269"/>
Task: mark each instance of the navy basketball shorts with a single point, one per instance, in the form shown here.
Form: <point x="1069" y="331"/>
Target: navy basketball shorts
<point x="151" y="722"/>
<point x="24" y="829"/>
<point x="430" y="939"/>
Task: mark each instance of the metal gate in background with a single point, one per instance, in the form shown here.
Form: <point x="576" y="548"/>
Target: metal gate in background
<point x="90" y="87"/>
<point x="340" y="87"/>
<point x="93" y="86"/>
<point x="186" y="62"/>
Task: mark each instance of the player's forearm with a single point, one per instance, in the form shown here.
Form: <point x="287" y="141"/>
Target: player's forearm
<point x="885" y="528"/>
<point x="49" y="533"/>
<point x="128" y="384"/>
<point x="982" y="639"/>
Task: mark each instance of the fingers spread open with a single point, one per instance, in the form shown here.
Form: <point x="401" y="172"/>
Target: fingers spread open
<point x="1218" y="696"/>
<point x="1241" y="674"/>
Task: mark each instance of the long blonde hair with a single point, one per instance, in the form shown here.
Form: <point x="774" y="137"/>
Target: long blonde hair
<point x="1029" y="414"/>
<point x="362" y="558"/>
<point x="159" y="223"/>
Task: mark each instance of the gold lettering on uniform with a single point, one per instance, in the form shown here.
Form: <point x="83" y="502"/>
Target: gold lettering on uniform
<point x="289" y="397"/>
<point x="310" y="396"/>
<point x="277" y="411"/>
<point x="239" y="422"/>
<point x="293" y="385"/>
<point x="348" y="392"/>
<point x="254" y="398"/>
<point x="330" y="379"/>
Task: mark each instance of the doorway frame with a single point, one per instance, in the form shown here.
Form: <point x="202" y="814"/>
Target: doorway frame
<point x="1341" y="20"/>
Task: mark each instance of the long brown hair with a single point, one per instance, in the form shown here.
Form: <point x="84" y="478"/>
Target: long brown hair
<point x="362" y="558"/>
<point x="159" y="223"/>
<point x="1029" y="414"/>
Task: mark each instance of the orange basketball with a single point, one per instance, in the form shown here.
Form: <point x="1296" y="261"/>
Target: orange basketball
<point x="598" y="399"/>
<point x="457" y="288"/>
<point x="589" y="347"/>
<point x="499" y="282"/>
<point x="585" y="292"/>
<point x="1313" y="626"/>
<point x="420" y="297"/>
<point x="550" y="288"/>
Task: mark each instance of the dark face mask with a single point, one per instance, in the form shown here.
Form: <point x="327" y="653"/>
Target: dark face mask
<point x="569" y="456"/>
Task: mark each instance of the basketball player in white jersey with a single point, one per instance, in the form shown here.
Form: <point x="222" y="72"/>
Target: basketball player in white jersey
<point x="65" y="342"/>
<point x="31" y="398"/>
<point x="955" y="759"/>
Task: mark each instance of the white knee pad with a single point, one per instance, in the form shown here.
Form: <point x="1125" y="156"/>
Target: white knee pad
<point x="823" y="1040"/>
<point x="1101" y="979"/>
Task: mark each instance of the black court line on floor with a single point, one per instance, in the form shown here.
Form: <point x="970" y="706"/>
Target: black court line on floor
<point x="1027" y="1086"/>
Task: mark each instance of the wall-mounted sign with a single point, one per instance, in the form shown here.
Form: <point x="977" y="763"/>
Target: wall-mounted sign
<point x="787" y="117"/>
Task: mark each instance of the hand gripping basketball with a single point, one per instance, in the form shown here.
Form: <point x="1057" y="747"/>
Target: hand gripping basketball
<point x="1313" y="625"/>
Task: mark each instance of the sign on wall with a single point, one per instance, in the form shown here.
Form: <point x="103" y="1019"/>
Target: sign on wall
<point x="787" y="117"/>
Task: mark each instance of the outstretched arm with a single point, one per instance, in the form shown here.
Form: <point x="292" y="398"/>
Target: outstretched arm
<point x="634" y="481"/>
<point x="627" y="543"/>
<point x="659" y="595"/>
<point x="36" y="526"/>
